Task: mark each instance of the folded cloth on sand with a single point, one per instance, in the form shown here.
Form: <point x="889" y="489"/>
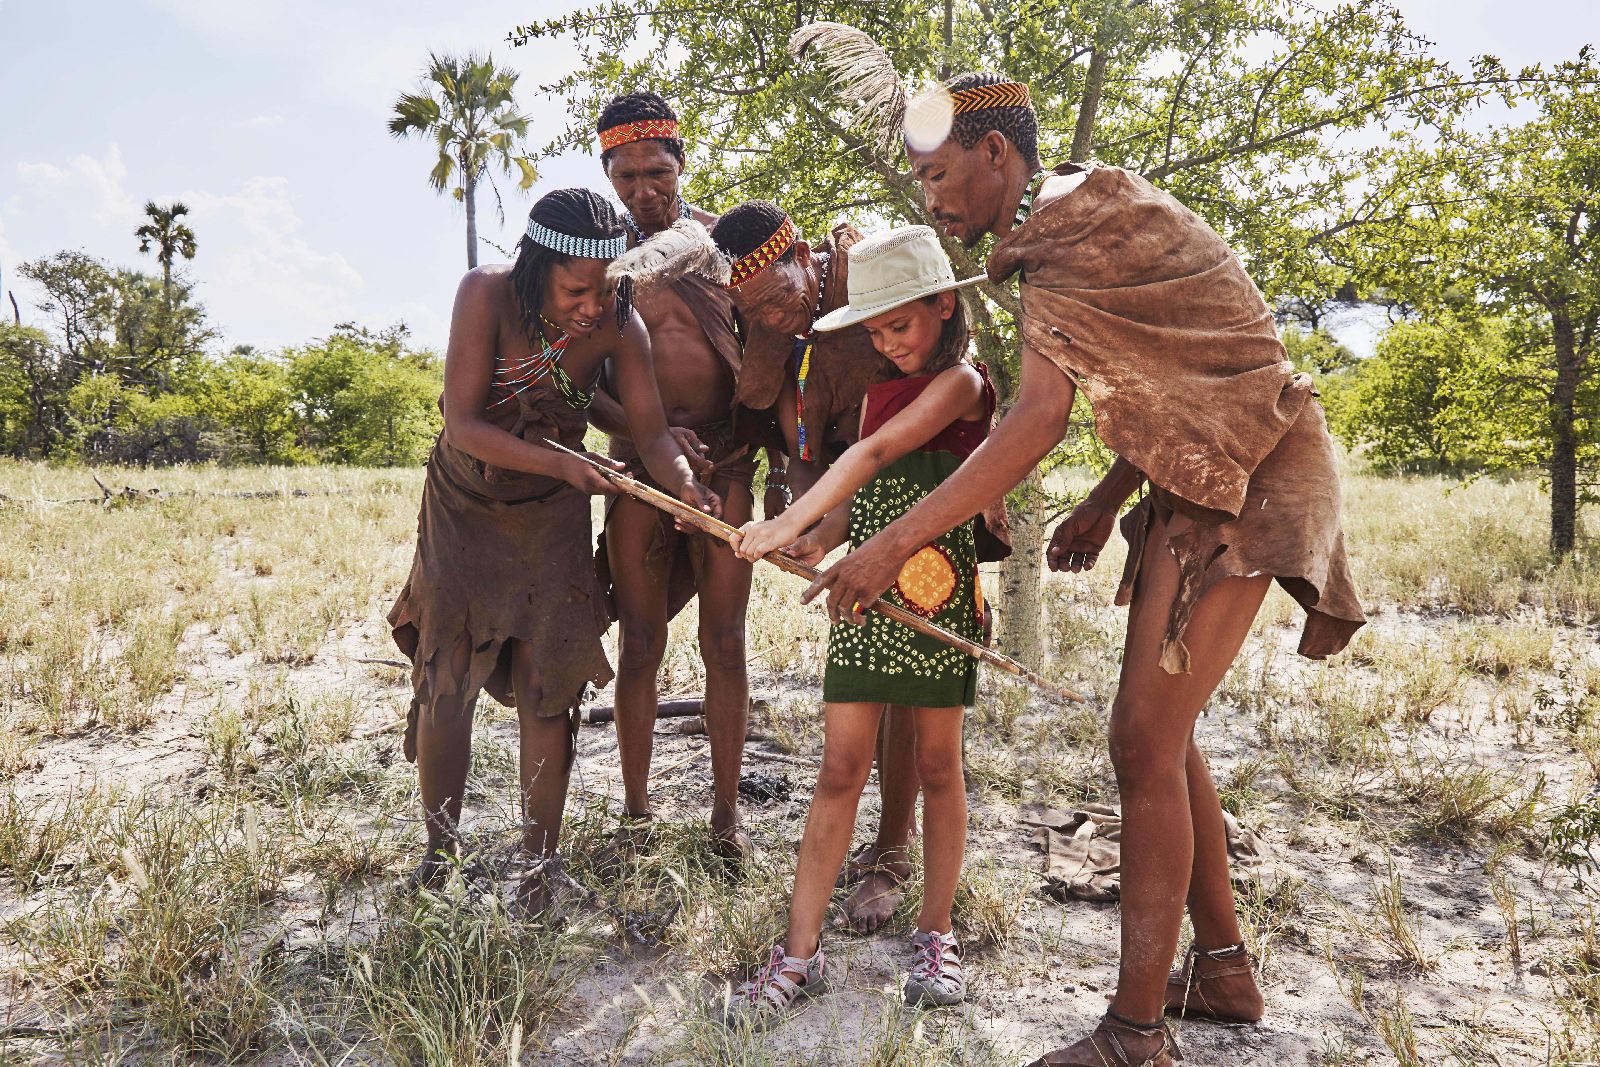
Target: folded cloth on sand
<point x="1083" y="852"/>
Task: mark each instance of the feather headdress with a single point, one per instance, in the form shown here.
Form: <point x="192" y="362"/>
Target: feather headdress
<point x="683" y="248"/>
<point x="861" y="72"/>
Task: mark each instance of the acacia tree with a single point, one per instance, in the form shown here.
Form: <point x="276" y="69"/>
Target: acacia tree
<point x="466" y="108"/>
<point x="1239" y="107"/>
<point x="1507" y="226"/>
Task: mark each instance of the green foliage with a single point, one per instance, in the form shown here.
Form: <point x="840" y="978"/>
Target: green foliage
<point x="168" y="236"/>
<point x="126" y="379"/>
<point x="1502" y="222"/>
<point x="363" y="398"/>
<point x="1316" y="351"/>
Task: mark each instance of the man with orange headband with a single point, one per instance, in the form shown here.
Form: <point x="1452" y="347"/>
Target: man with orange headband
<point x="1132" y="298"/>
<point x="653" y="569"/>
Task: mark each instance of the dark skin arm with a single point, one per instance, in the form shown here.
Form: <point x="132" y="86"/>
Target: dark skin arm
<point x="1034" y="425"/>
<point x="1077" y="542"/>
<point x="607" y="416"/>
<point x="824" y="537"/>
<point x="468" y="367"/>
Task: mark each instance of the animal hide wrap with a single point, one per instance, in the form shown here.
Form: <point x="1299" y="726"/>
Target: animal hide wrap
<point x="1137" y="300"/>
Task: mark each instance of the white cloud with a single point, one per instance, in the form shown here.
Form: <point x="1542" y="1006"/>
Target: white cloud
<point x="85" y="180"/>
<point x="263" y="279"/>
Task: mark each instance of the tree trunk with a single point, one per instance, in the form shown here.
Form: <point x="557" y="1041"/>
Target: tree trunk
<point x="949" y="39"/>
<point x="1564" y="438"/>
<point x="1021" y="578"/>
<point x="1018" y="604"/>
<point x="471" y="186"/>
<point x="1089" y="106"/>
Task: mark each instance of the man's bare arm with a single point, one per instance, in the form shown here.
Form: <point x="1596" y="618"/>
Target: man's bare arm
<point x="607" y="416"/>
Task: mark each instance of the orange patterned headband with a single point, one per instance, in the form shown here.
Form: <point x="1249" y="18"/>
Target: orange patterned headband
<point x="643" y="130"/>
<point x="764" y="255"/>
<point x="984" y="97"/>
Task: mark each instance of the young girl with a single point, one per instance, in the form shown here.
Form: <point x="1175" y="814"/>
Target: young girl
<point x="915" y="430"/>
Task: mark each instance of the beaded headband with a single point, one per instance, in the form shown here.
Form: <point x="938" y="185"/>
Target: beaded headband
<point x="643" y="130"/>
<point x="763" y="255"/>
<point x="984" y="97"/>
<point x="582" y="247"/>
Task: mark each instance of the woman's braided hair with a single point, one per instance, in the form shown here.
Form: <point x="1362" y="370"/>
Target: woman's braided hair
<point x="577" y="213"/>
<point x="1019" y="125"/>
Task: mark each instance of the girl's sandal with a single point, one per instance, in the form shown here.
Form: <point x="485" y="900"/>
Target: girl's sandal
<point x="936" y="979"/>
<point x="1115" y="1043"/>
<point x="774" y="995"/>
<point x="1189" y="998"/>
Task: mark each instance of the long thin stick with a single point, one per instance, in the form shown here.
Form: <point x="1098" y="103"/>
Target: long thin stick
<point x="722" y="531"/>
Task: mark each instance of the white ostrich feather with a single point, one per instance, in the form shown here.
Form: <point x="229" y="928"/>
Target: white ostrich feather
<point x="862" y="74"/>
<point x="683" y="248"/>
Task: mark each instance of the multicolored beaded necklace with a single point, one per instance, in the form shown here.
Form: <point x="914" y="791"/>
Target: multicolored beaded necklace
<point x="802" y="350"/>
<point x="684" y="212"/>
<point x="1025" y="208"/>
<point x="518" y="377"/>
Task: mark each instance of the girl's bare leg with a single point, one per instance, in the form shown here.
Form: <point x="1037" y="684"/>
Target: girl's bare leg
<point x="944" y="806"/>
<point x="851" y="735"/>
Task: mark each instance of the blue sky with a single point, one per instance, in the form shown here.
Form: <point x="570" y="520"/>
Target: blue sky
<point x="267" y="118"/>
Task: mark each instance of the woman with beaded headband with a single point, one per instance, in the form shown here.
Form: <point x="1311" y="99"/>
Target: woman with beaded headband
<point x="1129" y="296"/>
<point x="501" y="594"/>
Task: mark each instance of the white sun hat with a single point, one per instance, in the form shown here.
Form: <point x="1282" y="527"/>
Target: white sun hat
<point x="893" y="268"/>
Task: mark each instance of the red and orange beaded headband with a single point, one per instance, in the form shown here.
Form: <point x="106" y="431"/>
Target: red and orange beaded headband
<point x="764" y="255"/>
<point x="643" y="130"/>
<point x="984" y="97"/>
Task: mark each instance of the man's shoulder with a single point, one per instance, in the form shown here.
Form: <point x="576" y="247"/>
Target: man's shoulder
<point x="1060" y="183"/>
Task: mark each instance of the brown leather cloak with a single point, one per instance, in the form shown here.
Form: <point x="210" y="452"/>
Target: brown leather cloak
<point x="502" y="555"/>
<point x="1148" y="310"/>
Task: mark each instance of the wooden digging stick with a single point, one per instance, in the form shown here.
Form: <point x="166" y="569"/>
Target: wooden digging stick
<point x="722" y="531"/>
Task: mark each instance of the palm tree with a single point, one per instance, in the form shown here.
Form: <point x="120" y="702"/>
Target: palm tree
<point x="465" y="108"/>
<point x="170" y="237"/>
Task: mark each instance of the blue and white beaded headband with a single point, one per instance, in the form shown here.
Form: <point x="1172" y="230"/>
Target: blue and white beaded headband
<point x="582" y="247"/>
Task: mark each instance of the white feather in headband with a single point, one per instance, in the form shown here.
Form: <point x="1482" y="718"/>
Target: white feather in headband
<point x="861" y="72"/>
<point x="683" y="248"/>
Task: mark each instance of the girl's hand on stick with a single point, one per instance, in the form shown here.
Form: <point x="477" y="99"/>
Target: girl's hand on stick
<point x="581" y="476"/>
<point x="755" y="539"/>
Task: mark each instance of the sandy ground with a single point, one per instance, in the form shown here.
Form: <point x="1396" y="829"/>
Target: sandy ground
<point x="1328" y="978"/>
